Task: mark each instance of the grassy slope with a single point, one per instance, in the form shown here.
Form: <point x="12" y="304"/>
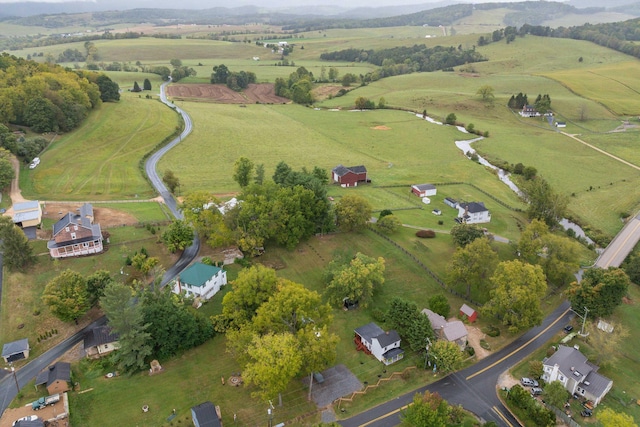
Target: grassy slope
<point x="99" y="161"/>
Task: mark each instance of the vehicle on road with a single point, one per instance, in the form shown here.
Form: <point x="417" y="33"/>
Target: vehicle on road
<point x="528" y="382"/>
<point x="45" y="401"/>
<point x="568" y="329"/>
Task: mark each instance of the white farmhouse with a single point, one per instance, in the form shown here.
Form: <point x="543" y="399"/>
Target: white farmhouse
<point x="200" y="280"/>
<point x="474" y="213"/>
<point x="385" y="346"/>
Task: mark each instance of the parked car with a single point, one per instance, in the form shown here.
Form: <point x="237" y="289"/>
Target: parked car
<point x="586" y="413"/>
<point x="535" y="391"/>
<point x="528" y="382"/>
<point x="568" y="329"/>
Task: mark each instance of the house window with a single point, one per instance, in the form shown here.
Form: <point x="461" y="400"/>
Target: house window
<point x="66" y="229"/>
<point x="75" y="227"/>
<point x="73" y="236"/>
<point x="560" y="378"/>
<point x="86" y="244"/>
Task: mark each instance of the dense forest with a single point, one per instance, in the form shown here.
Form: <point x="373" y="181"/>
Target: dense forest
<point x="404" y="59"/>
<point x="47" y="97"/>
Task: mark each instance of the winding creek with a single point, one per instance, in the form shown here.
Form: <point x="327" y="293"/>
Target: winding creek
<point x="465" y="147"/>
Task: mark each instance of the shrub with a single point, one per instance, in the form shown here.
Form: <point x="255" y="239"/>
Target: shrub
<point x="470" y="350"/>
<point x="484" y="344"/>
<point x="426" y="234"/>
<point x="493" y="331"/>
<point x="378" y="315"/>
<point x="441" y="222"/>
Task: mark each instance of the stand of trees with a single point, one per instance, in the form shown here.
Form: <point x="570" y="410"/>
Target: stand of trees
<point x="297" y="87"/>
<point x="234" y="80"/>
<point x="46" y="97"/>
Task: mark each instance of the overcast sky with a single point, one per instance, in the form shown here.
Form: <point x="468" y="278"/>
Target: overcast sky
<point x="347" y="3"/>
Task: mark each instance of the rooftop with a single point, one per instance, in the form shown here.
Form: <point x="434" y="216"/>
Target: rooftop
<point x="197" y="274"/>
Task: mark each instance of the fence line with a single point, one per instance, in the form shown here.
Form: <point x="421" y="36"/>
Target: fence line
<point x="371" y="386"/>
<point x="564" y="417"/>
<point x="425" y="268"/>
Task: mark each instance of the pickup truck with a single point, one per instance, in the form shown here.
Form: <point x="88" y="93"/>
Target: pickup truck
<point x="45" y="401"/>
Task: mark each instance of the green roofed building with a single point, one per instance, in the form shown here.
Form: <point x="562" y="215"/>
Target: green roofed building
<point x="200" y="280"/>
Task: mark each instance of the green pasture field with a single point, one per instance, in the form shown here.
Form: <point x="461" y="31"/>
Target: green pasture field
<point x="22" y="292"/>
<point x="621" y="81"/>
<point x="100" y="160"/>
<point x="621" y="144"/>
<point x="143" y="211"/>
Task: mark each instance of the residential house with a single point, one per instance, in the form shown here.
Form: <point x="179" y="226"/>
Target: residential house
<point x="38" y="422"/>
<point x="424" y="190"/>
<point x="15" y="350"/>
<point x="100" y="341"/>
<point x="453" y="331"/>
<point x="468" y="312"/>
<point x="56" y="377"/>
<point x="529" y="111"/>
<point x="576" y="374"/>
<point x="205" y="415"/>
<point x="385" y="346"/>
<point x="451" y="202"/>
<point x="473" y="213"/>
<point x="349" y="176"/>
<point x="76" y="234"/>
<point x="200" y="280"/>
<point x="27" y="214"/>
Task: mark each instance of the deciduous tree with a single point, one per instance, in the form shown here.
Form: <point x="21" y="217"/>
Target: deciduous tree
<point x="463" y="234"/>
<point x="412" y="325"/>
<point x="555" y="394"/>
<point x="610" y="418"/>
<point x="7" y="174"/>
<point x="171" y="180"/>
<point x="243" y="171"/>
<point x="357" y="281"/>
<point x="178" y="236"/>
<point x="446" y="355"/>
<point x="388" y="224"/>
<point x="428" y="409"/>
<point x="472" y="265"/>
<point x="96" y="284"/>
<point x="544" y="203"/>
<point x="439" y="304"/>
<point x="517" y="289"/>
<point x="274" y="362"/>
<point x="600" y="291"/>
<point x="353" y="212"/>
<point x="200" y="209"/>
<point x="486" y="93"/>
<point x="67" y="296"/>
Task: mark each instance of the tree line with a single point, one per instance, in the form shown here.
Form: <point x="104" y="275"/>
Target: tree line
<point x="47" y="97"/>
<point x="235" y="80"/>
<point x="405" y="59"/>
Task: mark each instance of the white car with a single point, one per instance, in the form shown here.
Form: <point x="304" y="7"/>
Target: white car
<point x="34" y="163"/>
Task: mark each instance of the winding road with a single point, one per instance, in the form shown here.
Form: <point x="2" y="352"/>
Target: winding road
<point x="30" y="370"/>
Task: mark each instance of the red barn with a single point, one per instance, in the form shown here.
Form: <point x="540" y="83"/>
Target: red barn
<point x="349" y="176"/>
<point x="471" y="314"/>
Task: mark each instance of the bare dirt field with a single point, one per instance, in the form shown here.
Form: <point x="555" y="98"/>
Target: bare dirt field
<point x="262" y="93"/>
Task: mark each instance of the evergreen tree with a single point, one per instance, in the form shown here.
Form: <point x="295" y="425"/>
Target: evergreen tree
<point x="146" y="85"/>
<point x="136" y="87"/>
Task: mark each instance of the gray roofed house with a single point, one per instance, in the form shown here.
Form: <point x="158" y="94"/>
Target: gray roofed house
<point x="349" y="176"/>
<point x="576" y="374"/>
<point x="385" y="346"/>
<point x="56" y="377"/>
<point x="76" y="234"/>
<point x="453" y="331"/>
<point x="15" y="350"/>
<point x="100" y="341"/>
<point x="424" y="190"/>
<point x="38" y="422"/>
<point x="474" y="213"/>
<point x="205" y="415"/>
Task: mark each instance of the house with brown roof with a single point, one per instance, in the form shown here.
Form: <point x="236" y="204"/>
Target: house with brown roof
<point x="349" y="176"/>
<point x="76" y="235"/>
<point x="56" y="377"/>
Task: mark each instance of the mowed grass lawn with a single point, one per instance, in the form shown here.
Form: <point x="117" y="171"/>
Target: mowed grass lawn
<point x="99" y="161"/>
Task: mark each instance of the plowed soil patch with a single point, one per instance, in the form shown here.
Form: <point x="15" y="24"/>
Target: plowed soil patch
<point x="255" y="93"/>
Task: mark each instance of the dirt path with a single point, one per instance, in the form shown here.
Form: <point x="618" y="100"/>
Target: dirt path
<point x="474" y="336"/>
<point x="601" y="151"/>
<point x="14" y="192"/>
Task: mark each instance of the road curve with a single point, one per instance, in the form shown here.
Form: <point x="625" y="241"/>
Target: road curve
<point x="475" y="387"/>
<point x="25" y="374"/>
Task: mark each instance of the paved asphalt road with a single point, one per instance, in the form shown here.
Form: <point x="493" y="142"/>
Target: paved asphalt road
<point x="621" y="245"/>
<point x="475" y="387"/>
<point x="29" y="371"/>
